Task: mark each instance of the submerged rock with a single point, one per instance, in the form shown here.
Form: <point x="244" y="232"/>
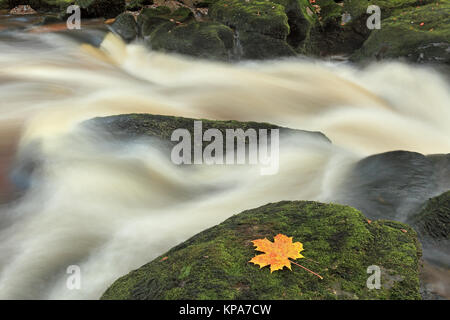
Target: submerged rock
<point x="132" y="126"/>
<point x="214" y="263"/>
<point x="395" y="184"/>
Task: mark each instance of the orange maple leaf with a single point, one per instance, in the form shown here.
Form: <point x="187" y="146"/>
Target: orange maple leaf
<point x="277" y="253"/>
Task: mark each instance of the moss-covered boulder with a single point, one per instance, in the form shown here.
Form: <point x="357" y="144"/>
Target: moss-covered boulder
<point x="132" y="126"/>
<point x="261" y="17"/>
<point x="151" y="18"/>
<point x="177" y="31"/>
<point x="339" y="242"/>
<point x="208" y="40"/>
<point x="432" y="224"/>
<point x="433" y="221"/>
<point x="258" y="46"/>
<point x="262" y="28"/>
<point x="419" y="34"/>
<point x="125" y="26"/>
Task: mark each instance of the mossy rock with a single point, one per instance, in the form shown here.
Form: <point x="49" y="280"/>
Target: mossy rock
<point x="300" y="20"/>
<point x="432" y="224"/>
<point x="329" y="36"/>
<point x="151" y="18"/>
<point x="125" y="26"/>
<point x="420" y="35"/>
<point x="264" y="17"/>
<point x="258" y="46"/>
<point x="208" y="40"/>
<point x="214" y="263"/>
<point x="132" y="126"/>
<point x="433" y="221"/>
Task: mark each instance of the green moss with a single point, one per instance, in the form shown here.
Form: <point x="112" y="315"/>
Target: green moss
<point x="402" y="35"/>
<point x="262" y="17"/>
<point x="258" y="46"/>
<point x="214" y="263"/>
<point x="433" y="221"/>
<point x="207" y="40"/>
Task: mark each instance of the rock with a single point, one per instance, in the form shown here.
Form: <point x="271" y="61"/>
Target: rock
<point x="334" y="30"/>
<point x="432" y="223"/>
<point x="125" y="26"/>
<point x="208" y="40"/>
<point x="262" y="28"/>
<point x="41" y="5"/>
<point x="419" y="34"/>
<point x="393" y="185"/>
<point x="214" y="263"/>
<point x="151" y="18"/>
<point x="132" y="126"/>
<point x="300" y="22"/>
<point x="433" y="220"/>
<point x="266" y="18"/>
<point x="22" y="10"/>
<point x="179" y="32"/>
<point x="258" y="46"/>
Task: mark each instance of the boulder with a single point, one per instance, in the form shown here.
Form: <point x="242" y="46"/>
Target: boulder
<point x="261" y="17"/>
<point x="125" y="26"/>
<point x="261" y="27"/>
<point x="151" y="18"/>
<point x="419" y="34"/>
<point x="208" y="40"/>
<point x="339" y="244"/>
<point x="432" y="223"/>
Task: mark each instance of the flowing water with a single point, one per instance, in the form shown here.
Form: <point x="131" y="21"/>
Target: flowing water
<point x="110" y="207"/>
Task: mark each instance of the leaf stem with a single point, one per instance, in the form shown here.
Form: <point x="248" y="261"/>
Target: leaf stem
<point x="318" y="275"/>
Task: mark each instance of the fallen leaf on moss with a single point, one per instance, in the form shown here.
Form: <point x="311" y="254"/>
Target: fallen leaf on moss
<point x="277" y="253"/>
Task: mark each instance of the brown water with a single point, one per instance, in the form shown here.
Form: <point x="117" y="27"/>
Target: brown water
<point x="110" y="208"/>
